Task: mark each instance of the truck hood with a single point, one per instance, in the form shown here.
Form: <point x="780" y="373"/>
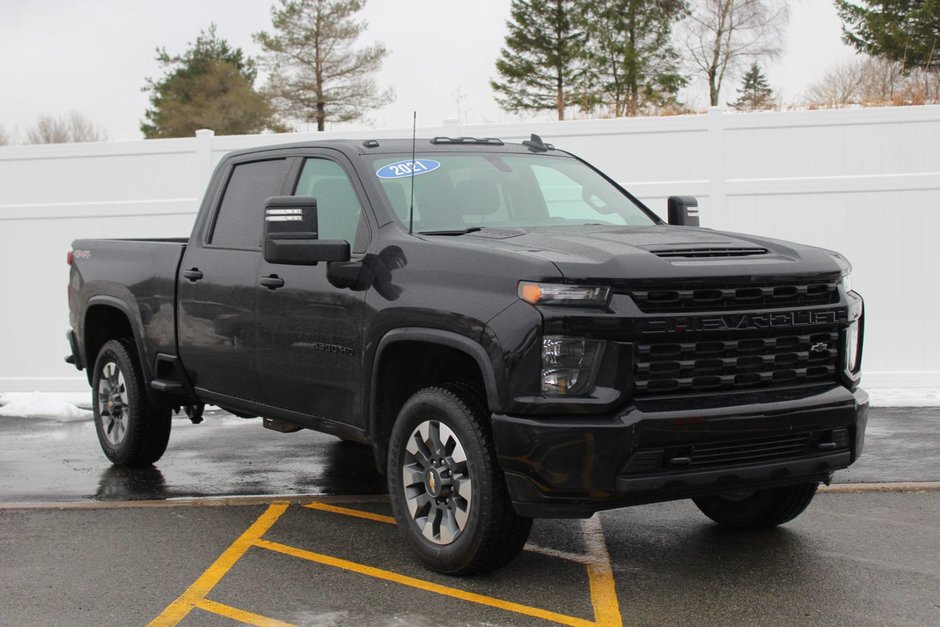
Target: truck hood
<point x="656" y="252"/>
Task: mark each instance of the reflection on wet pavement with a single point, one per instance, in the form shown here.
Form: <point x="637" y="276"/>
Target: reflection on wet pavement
<point x="48" y="460"/>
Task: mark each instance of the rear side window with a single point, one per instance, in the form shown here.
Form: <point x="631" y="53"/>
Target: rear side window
<point x="241" y="214"/>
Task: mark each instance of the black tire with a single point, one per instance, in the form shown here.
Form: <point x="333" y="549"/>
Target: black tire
<point x="131" y="431"/>
<point x="760" y="508"/>
<point x="466" y="536"/>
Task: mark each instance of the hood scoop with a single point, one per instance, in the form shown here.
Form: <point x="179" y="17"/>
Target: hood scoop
<point x="709" y="252"/>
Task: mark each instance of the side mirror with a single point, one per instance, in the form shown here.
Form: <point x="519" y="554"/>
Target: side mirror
<point x="683" y="211"/>
<point x="290" y="233"/>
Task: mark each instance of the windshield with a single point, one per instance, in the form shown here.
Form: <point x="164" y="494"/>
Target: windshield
<point x="456" y="192"/>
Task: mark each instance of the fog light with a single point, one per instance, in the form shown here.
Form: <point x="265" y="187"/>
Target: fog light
<point x="569" y="365"/>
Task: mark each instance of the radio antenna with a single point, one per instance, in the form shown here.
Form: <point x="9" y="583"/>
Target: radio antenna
<point x="411" y="207"/>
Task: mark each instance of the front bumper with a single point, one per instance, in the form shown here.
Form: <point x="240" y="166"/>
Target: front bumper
<point x="661" y="450"/>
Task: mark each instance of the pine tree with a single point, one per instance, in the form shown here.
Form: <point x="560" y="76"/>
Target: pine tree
<point x="907" y="31"/>
<point x="208" y="86"/>
<point x="632" y="64"/>
<point x="755" y="93"/>
<point x="541" y="66"/>
<point x="316" y="75"/>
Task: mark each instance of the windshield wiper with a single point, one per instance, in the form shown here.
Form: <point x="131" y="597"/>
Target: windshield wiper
<point x="472" y="229"/>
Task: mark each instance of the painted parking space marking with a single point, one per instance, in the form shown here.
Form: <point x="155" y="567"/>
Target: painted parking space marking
<point x="355" y="513"/>
<point x="178" y="609"/>
<point x="596" y="560"/>
<point x="242" y="616"/>
<point x="422" y="584"/>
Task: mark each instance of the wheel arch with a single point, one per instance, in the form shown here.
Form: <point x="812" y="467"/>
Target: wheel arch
<point x="433" y="357"/>
<point x="107" y="318"/>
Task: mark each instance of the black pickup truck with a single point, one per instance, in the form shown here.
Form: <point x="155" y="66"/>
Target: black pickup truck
<point x="513" y="334"/>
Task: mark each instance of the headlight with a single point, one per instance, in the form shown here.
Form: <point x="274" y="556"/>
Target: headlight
<point x="569" y="364"/>
<point x="853" y="335"/>
<point x="561" y="294"/>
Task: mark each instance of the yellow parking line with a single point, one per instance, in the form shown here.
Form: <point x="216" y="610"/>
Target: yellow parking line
<point x="600" y="574"/>
<point x="356" y="513"/>
<point x="421" y="584"/>
<point x="178" y="609"/>
<point x="249" y="618"/>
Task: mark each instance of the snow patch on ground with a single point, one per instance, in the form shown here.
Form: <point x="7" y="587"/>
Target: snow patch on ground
<point x="45" y="405"/>
<point x="904" y="397"/>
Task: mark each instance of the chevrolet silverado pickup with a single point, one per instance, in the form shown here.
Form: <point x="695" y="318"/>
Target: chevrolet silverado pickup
<point x="513" y="333"/>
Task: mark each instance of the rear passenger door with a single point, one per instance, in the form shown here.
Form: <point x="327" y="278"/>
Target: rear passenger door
<point x="218" y="284"/>
<point x="310" y="332"/>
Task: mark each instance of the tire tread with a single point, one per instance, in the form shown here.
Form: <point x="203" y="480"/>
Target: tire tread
<point x="764" y="508"/>
<point x="503" y="532"/>
<point x="147" y="441"/>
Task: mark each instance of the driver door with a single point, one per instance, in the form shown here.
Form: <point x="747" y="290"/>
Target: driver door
<point x="310" y="332"/>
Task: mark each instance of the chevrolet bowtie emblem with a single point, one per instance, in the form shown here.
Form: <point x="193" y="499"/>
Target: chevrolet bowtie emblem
<point x="819" y="347"/>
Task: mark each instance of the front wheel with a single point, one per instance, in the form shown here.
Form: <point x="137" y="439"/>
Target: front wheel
<point x="447" y="491"/>
<point x="758" y="508"/>
<point x="131" y="431"/>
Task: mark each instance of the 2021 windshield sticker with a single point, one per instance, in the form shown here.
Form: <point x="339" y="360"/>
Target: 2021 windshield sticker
<point x="402" y="169"/>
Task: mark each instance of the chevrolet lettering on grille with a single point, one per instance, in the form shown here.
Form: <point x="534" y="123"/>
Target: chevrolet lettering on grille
<point x="776" y="320"/>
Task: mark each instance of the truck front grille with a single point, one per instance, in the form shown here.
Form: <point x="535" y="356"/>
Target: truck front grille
<point x="772" y="359"/>
<point x="734" y="295"/>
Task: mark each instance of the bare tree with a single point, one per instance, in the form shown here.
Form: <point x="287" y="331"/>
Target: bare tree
<point x="5" y="137"/>
<point x="722" y="36"/>
<point x="72" y="128"/>
<point x="840" y="86"/>
<point x="871" y="82"/>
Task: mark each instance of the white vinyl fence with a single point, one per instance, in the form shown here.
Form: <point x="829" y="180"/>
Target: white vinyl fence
<point x="865" y="182"/>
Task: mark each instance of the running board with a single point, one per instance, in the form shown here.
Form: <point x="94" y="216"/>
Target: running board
<point x="167" y="387"/>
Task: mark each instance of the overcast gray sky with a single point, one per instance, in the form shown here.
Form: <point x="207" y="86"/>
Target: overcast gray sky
<point x="93" y="56"/>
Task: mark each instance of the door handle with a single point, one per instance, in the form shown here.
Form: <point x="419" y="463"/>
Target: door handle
<point x="272" y="281"/>
<point x="193" y="274"/>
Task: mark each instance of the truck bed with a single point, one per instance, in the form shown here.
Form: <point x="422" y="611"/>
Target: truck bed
<point x="137" y="275"/>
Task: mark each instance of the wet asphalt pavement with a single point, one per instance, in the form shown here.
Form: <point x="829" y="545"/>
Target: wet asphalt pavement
<point x="82" y="542"/>
<point x="54" y="461"/>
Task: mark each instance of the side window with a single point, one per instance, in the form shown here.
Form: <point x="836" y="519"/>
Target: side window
<point x="240" y="218"/>
<point x="339" y="214"/>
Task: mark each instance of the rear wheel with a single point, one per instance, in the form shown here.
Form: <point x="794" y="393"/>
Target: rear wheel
<point x="447" y="491"/>
<point x="758" y="508"/>
<point x="131" y="431"/>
